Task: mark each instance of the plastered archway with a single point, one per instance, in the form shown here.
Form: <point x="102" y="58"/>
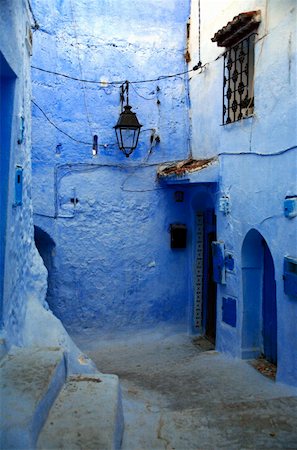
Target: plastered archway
<point x="46" y="248"/>
<point x="259" y="325"/>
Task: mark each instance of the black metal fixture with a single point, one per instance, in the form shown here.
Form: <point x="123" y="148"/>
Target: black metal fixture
<point x="128" y="127"/>
<point x="178" y="234"/>
<point x="238" y="95"/>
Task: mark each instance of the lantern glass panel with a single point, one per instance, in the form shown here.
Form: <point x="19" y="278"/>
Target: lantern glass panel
<point x="128" y="138"/>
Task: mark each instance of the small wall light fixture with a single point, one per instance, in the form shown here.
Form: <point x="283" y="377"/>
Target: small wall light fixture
<point x="178" y="235"/>
<point x="128" y="127"/>
<point x="95" y="145"/>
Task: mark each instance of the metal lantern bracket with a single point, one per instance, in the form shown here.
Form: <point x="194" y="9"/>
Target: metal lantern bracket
<point x="128" y="127"/>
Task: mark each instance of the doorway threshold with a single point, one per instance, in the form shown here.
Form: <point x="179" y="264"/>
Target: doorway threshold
<point x="203" y="343"/>
<point x="265" y="367"/>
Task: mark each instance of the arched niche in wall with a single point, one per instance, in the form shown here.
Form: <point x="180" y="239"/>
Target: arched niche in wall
<point x="46" y="248"/>
<point x="259" y="325"/>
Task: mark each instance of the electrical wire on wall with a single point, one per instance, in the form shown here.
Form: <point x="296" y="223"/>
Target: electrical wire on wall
<point x="78" y="141"/>
<point x="36" y="24"/>
<point x="92" y="133"/>
<point x="117" y="82"/>
<point x="133" y="83"/>
<point x="103" y="85"/>
<point x="142" y="96"/>
<point x="110" y="83"/>
<point x="199" y="35"/>
<point x="113" y="83"/>
<point x="67" y="169"/>
<point x="58" y="128"/>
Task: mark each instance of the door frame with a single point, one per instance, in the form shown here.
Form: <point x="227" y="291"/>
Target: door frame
<point x="7" y="95"/>
<point x="205" y="232"/>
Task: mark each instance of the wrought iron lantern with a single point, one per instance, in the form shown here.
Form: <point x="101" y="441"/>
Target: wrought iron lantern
<point x="128" y="127"/>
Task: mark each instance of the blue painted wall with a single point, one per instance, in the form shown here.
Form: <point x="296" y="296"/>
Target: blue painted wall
<point x="114" y="268"/>
<point x="17" y="249"/>
<point x="257" y="181"/>
<point x="25" y="317"/>
<point x="7" y="89"/>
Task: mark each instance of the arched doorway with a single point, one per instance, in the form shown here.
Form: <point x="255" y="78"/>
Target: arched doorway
<point x="46" y="248"/>
<point x="259" y="328"/>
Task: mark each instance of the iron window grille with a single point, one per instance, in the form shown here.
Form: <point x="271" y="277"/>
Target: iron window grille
<point x="238" y="91"/>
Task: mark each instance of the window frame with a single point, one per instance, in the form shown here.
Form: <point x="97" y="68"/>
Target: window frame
<point x="238" y="88"/>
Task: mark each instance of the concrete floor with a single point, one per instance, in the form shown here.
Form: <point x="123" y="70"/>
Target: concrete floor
<point x="177" y="396"/>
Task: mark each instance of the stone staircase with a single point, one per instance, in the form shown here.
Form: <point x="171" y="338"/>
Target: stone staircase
<point x="43" y="408"/>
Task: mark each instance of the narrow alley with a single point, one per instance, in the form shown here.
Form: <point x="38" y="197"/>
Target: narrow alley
<point x="148" y="229"/>
<point x="178" y="395"/>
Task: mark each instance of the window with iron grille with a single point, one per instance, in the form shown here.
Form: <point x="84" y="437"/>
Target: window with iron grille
<point x="238" y="91"/>
<point x="238" y="37"/>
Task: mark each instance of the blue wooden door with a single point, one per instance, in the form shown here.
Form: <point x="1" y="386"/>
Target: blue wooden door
<point x="269" y="308"/>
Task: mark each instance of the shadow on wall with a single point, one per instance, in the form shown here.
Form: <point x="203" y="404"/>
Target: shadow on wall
<point x="46" y="248"/>
<point x="259" y="333"/>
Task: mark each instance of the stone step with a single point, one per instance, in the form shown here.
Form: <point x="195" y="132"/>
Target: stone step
<point x="30" y="380"/>
<point x="86" y="415"/>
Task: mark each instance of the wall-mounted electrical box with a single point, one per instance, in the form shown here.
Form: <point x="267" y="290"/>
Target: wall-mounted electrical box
<point x="222" y="261"/>
<point x="290" y="207"/>
<point x="218" y="256"/>
<point x="224" y="204"/>
<point x="178" y="233"/>
<point x="18" y="197"/>
<point x="290" y="276"/>
<point x="229" y="311"/>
